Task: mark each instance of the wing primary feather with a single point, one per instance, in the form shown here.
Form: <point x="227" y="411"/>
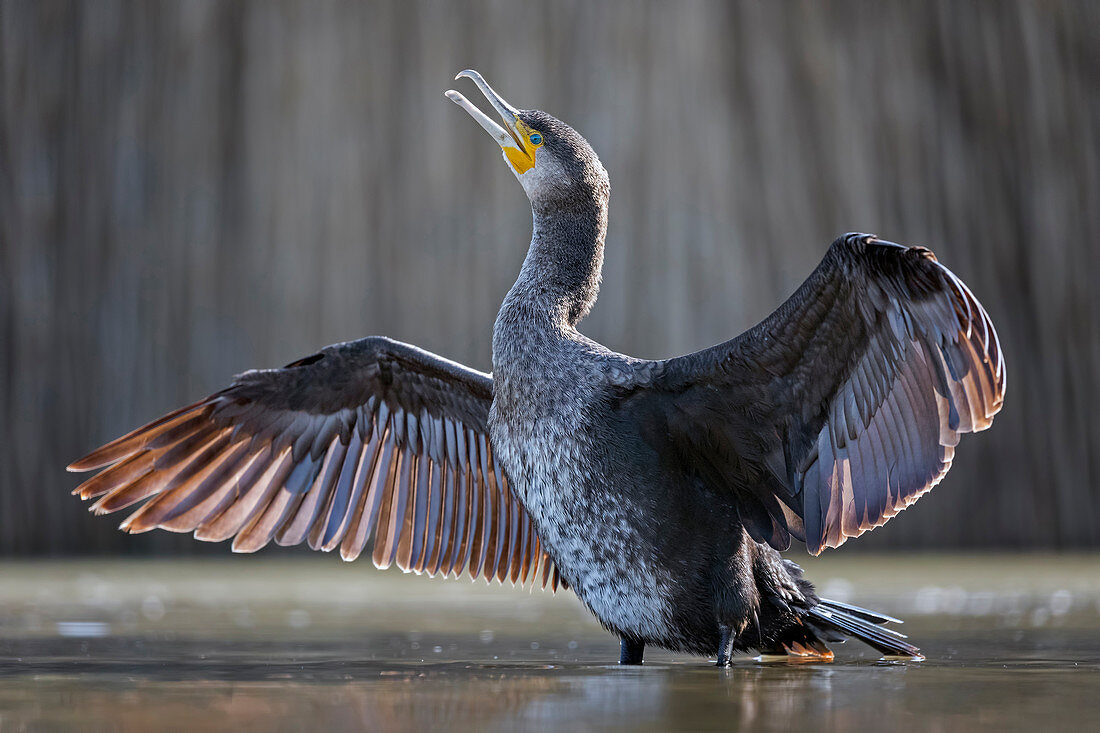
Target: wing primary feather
<point x="523" y="554"/>
<point x="446" y="546"/>
<point x="507" y="548"/>
<point x="879" y="487"/>
<point x="906" y="422"/>
<point x="432" y="500"/>
<point x="179" y="485"/>
<point x="134" y="440"/>
<point x="498" y="521"/>
<point x="547" y="567"/>
<point x="899" y="454"/>
<point x="254" y="492"/>
<point x="267" y="517"/>
<point x="536" y="555"/>
<point x="440" y="514"/>
<point x="223" y="495"/>
<point x="408" y="485"/>
<point x="185" y="496"/>
<point x="258" y="533"/>
<point x="385" y="533"/>
<point x="840" y="481"/>
<point x="417" y="554"/>
<point x="515" y="545"/>
<point x="344" y="521"/>
<point x="117" y="476"/>
<point x="165" y="468"/>
<point x="303" y="475"/>
<point x="479" y="507"/>
<point x="536" y="551"/>
<point x="490" y="512"/>
<point x="452" y="532"/>
<point x="468" y="493"/>
<point x="461" y="500"/>
<point x="217" y="499"/>
<point x="942" y="386"/>
<point x="874" y="498"/>
<point x="363" y="522"/>
<point x="337" y="507"/>
<point x="317" y="500"/>
<point x="922" y="446"/>
<point x="200" y="459"/>
<point x="124" y="472"/>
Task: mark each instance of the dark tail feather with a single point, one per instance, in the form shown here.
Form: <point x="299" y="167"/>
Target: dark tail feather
<point x="873" y="616"/>
<point x="863" y="625"/>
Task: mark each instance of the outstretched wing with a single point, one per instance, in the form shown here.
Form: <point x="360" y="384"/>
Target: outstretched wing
<point x="366" y="438"/>
<point x="841" y="408"/>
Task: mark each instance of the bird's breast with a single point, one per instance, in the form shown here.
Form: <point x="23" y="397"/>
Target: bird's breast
<point x="546" y="434"/>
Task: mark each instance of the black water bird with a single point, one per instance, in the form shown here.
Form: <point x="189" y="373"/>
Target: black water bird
<point x="659" y="491"/>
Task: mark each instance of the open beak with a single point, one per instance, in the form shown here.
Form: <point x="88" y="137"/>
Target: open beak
<point x="512" y="137"/>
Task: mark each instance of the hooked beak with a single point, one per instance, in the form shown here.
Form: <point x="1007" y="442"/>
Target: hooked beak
<point x="512" y="138"/>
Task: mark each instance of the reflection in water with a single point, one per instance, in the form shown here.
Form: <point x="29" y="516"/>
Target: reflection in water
<point x="140" y="684"/>
<point x="282" y="647"/>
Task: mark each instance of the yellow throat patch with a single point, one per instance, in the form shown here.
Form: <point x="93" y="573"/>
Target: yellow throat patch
<point x="524" y="160"/>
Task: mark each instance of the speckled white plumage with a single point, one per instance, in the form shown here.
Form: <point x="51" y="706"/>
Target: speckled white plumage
<point x="541" y="431"/>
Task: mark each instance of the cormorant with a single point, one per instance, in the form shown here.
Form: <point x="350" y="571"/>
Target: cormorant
<point x="661" y="492"/>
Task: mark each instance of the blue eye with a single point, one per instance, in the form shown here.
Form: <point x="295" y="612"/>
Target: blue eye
<point x="536" y="139"/>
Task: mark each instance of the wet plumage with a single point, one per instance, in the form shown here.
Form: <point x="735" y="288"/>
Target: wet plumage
<point x="659" y="491"/>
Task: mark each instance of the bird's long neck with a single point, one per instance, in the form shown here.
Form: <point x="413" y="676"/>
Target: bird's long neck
<point x="560" y="278"/>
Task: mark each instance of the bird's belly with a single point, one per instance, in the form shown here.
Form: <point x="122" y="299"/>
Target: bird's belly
<point x="592" y="535"/>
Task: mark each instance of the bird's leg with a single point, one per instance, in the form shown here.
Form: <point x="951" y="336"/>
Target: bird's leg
<point x="725" y="645"/>
<point x="630" y="651"/>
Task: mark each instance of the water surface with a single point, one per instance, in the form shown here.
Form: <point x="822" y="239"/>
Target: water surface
<point x="1013" y="643"/>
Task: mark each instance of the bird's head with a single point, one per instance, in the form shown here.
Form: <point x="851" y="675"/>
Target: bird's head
<point x="554" y="164"/>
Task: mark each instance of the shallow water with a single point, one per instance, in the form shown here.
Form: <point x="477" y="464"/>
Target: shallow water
<point x="1013" y="643"/>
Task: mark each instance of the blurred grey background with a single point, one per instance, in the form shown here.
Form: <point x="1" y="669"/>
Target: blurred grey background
<point x="191" y="189"/>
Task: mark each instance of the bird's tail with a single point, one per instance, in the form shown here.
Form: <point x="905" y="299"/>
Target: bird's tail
<point x="830" y="617"/>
